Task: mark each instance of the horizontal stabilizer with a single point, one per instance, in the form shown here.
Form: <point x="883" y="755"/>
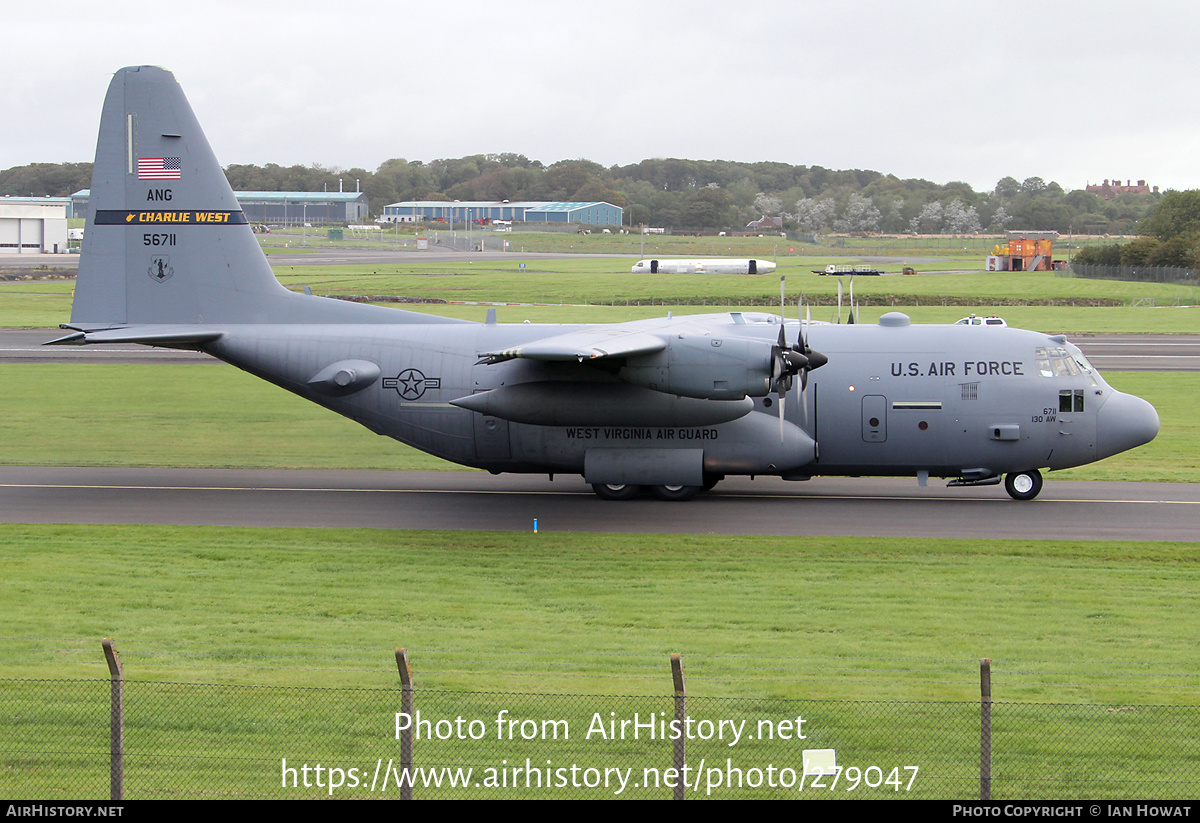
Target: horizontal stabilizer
<point x="171" y="336"/>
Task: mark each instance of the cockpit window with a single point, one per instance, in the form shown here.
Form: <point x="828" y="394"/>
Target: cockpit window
<point x="1058" y="361"/>
<point x="1070" y="400"/>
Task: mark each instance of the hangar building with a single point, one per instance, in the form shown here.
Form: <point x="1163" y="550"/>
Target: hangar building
<point x="596" y="213"/>
<point x="33" y="225"/>
<point x="303" y="206"/>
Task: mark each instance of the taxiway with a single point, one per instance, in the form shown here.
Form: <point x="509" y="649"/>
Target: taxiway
<point x="469" y="500"/>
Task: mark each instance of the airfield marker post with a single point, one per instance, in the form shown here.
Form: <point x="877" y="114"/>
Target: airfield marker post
<point x="985" y="729"/>
<point x="681" y="721"/>
<point x="406" y="735"/>
<point x="116" y="732"/>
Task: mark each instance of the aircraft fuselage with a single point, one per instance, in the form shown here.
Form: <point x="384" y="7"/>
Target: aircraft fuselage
<point x="948" y="401"/>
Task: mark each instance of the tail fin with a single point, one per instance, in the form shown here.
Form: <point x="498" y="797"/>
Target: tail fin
<point x="167" y="242"/>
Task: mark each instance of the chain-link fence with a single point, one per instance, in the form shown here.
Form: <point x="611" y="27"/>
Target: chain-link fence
<point x="193" y="740"/>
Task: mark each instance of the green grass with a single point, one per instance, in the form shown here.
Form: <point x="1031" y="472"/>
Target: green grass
<point x="189" y="415"/>
<point x="216" y="416"/>
<point x="593" y="290"/>
<point x="966" y="248"/>
<point x="551" y="612"/>
<point x="858" y="630"/>
<point x="608" y="281"/>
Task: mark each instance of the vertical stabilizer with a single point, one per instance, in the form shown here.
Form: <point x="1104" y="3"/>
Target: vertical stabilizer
<point x="166" y="241"/>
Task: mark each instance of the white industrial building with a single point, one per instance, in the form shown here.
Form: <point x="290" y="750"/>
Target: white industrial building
<point x="33" y="225"/>
<point x="597" y="213"/>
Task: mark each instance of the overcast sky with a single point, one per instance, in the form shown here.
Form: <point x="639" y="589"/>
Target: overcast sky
<point x="1073" y="92"/>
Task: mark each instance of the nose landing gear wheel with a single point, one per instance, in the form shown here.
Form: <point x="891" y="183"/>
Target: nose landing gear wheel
<point x="615" y="491"/>
<point x="1023" y="485"/>
<point x="675" y="492"/>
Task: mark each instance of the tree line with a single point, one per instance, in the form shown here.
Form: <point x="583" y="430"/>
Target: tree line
<point x="684" y="194"/>
<point x="1170" y="237"/>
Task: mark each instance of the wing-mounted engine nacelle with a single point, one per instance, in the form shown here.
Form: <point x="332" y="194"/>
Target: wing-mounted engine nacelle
<point x="554" y="403"/>
<point x="704" y="366"/>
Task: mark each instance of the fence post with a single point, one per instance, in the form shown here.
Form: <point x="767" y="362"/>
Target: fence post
<point x="985" y="729"/>
<point x="680" y="723"/>
<point x="406" y="735"/>
<point x="116" y="723"/>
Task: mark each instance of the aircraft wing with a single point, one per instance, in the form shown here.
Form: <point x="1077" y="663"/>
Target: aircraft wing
<point x="588" y="344"/>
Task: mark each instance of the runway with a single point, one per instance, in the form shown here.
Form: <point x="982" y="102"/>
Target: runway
<point x="468" y="500"/>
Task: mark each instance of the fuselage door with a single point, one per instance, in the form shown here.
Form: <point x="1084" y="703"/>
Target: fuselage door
<point x="874" y="418"/>
<point x="1076" y="426"/>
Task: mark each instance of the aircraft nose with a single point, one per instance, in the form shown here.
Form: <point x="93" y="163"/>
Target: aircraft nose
<point x="1124" y="422"/>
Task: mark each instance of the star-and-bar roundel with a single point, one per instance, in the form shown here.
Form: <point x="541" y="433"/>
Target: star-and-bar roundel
<point x="411" y="384"/>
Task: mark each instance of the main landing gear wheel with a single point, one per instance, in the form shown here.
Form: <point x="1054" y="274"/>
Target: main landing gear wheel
<point x="615" y="491"/>
<point x="1023" y="485"/>
<point x="675" y="492"/>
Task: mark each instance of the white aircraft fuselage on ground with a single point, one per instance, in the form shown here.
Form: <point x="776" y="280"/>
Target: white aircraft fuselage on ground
<point x="705" y="265"/>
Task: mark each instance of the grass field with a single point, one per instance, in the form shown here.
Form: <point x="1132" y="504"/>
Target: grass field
<point x="609" y="282"/>
<point x="1037" y="300"/>
<point x="242" y="646"/>
<point x="973" y="248"/>
<point x="599" y="613"/>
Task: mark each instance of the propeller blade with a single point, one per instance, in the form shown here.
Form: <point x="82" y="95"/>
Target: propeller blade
<point x="782" y="396"/>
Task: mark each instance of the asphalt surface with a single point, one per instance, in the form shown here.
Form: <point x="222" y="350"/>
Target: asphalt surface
<point x="1066" y="510"/>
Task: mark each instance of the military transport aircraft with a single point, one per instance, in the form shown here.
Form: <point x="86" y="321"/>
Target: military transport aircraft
<point x="672" y="405"/>
<point x="736" y="265"/>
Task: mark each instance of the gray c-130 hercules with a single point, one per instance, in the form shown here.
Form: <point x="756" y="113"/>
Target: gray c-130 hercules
<point x="669" y="404"/>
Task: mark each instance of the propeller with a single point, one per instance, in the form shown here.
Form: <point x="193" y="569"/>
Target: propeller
<point x="788" y="361"/>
